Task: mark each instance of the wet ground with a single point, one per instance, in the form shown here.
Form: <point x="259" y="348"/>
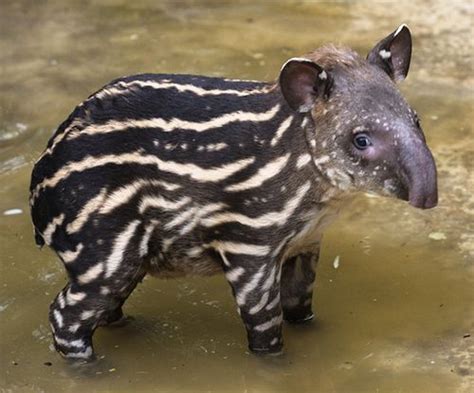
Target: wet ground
<point x="397" y="315"/>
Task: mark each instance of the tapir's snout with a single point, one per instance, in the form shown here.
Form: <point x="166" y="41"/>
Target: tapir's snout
<point x="419" y="176"/>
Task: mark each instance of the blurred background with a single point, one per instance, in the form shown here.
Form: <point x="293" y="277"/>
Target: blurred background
<point x="397" y="315"/>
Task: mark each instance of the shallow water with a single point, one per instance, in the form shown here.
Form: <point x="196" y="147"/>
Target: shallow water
<point x="395" y="316"/>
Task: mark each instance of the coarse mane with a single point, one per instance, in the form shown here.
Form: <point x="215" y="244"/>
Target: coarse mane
<point x="331" y="56"/>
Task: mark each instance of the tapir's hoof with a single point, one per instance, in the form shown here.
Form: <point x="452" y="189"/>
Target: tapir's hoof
<point x="299" y="319"/>
<point x="118" y="323"/>
<point x="271" y="351"/>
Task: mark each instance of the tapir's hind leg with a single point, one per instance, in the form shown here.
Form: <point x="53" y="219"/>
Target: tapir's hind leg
<point x="91" y="299"/>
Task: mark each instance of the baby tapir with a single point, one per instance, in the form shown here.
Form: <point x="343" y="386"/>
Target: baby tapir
<point x="175" y="175"/>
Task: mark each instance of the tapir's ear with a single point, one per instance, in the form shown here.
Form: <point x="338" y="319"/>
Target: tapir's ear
<point x="302" y="82"/>
<point x="393" y="53"/>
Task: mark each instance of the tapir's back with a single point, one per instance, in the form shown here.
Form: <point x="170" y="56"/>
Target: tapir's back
<point x="153" y="128"/>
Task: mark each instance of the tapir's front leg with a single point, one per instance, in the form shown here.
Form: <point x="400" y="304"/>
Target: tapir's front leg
<point x="297" y="280"/>
<point x="255" y="283"/>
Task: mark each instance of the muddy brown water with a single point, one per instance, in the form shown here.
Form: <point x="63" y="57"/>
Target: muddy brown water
<point x="397" y="315"/>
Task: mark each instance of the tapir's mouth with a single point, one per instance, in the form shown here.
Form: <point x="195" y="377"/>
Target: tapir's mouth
<point x="420" y="199"/>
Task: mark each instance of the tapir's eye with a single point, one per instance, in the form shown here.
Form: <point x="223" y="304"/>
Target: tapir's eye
<point x="361" y="141"/>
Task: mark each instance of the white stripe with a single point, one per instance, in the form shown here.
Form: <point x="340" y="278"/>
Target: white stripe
<point x="302" y="160"/>
<point x="87" y="314"/>
<point x="58" y="318"/>
<point x="90" y="207"/>
<point x="126" y="86"/>
<point x="70" y="344"/>
<point x="200" y="213"/>
<point x="269" y="324"/>
<point x="61" y="301"/>
<point x="281" y="130"/>
<point x="175" y="124"/>
<point x="120" y="244"/>
<point x="273" y="303"/>
<point x="78" y="122"/>
<point x="249" y="286"/>
<point x="49" y="231"/>
<point x="74" y="298"/>
<point x="205" y="210"/>
<point x="143" y="249"/>
<point x="195" y="252"/>
<point x="268" y="219"/>
<point x="80" y="355"/>
<point x="238" y="248"/>
<point x="197" y="173"/>
<point x="297" y="59"/>
<point x="259" y="306"/>
<point x="234" y="274"/>
<point x="126" y="193"/>
<point x="91" y="274"/>
<point x="283" y="244"/>
<point x="179" y="219"/>
<point x="162" y="203"/>
<point x="265" y="173"/>
<point x="270" y="280"/>
<point x="71" y="256"/>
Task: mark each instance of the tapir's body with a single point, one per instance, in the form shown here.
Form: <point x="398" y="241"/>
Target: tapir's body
<point x="175" y="175"/>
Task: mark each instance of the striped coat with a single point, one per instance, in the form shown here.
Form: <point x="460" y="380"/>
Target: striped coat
<point x="175" y="175"/>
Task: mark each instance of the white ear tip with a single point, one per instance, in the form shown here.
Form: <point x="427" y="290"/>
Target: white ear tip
<point x="400" y="28"/>
<point x="297" y="59"/>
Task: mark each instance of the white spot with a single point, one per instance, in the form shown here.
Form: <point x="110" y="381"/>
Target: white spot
<point x="321" y="160"/>
<point x="104" y="290"/>
<point x="437" y="236"/>
<point x="323" y="75"/>
<point x="303" y="160"/>
<point x="74" y="327"/>
<point x="385" y="54"/>
<point x="335" y="264"/>
<point x="12" y="212"/>
<point x="87" y="314"/>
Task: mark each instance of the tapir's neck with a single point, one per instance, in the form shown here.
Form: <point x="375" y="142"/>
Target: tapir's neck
<point x="290" y="132"/>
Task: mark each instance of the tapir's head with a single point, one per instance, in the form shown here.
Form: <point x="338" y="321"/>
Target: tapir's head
<point x="362" y="132"/>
